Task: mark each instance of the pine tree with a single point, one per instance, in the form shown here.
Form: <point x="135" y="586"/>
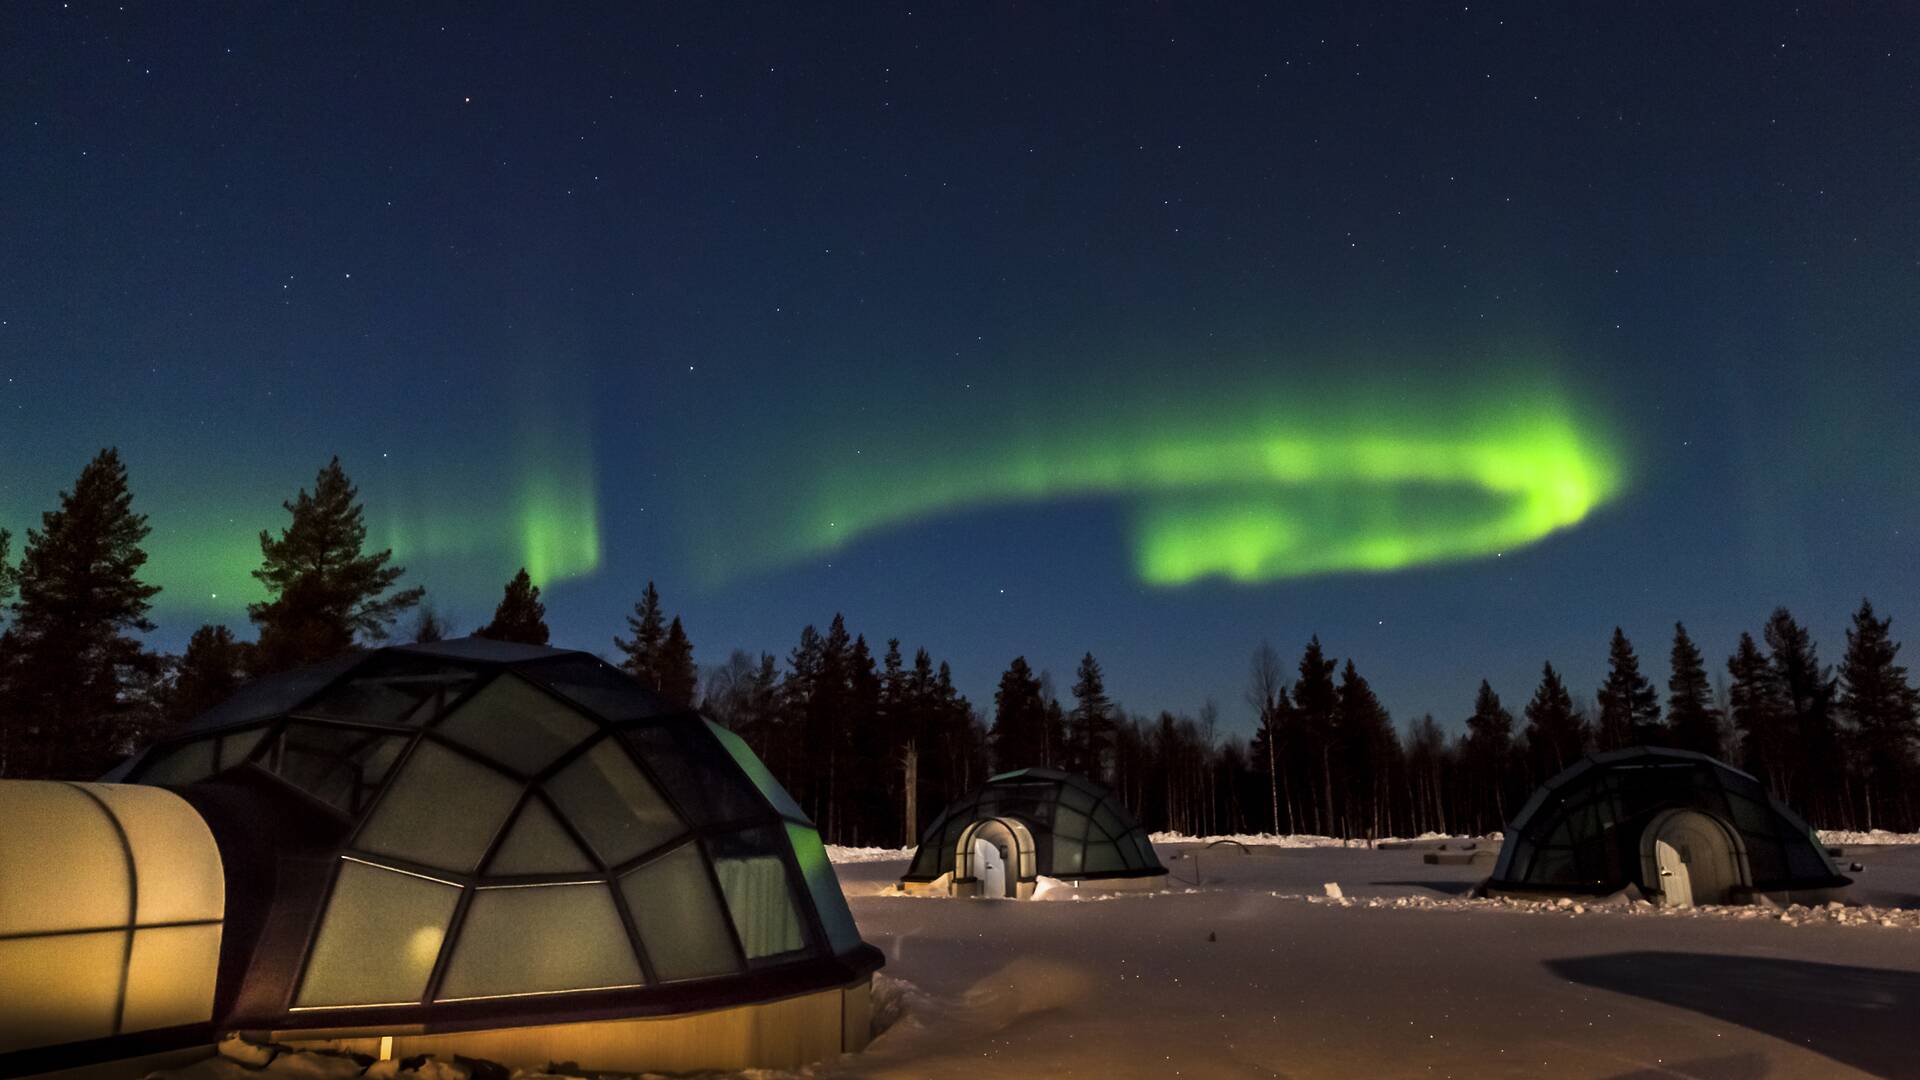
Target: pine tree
<point x="1554" y="735"/>
<point x="1489" y="748"/>
<point x="324" y="592"/>
<point x="1629" y="707"/>
<point x="1692" y="719"/>
<point x="1759" y="717"/>
<point x="649" y="629"/>
<point x="679" y="678"/>
<point x="1316" y="703"/>
<point x="428" y="626"/>
<point x="1882" y="710"/>
<point x="1019" y="719"/>
<point x="9" y="576"/>
<point x="1369" y="753"/>
<point x="212" y="668"/>
<point x="1806" y="689"/>
<point x="521" y="617"/>
<point x="74" y="669"/>
<point x="1091" y="722"/>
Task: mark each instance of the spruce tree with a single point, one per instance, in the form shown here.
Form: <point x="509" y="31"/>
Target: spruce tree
<point x="1806" y="689"/>
<point x="649" y="629"/>
<point x="1489" y="747"/>
<point x="1369" y="753"/>
<point x="324" y="592"/>
<point x="1019" y="719"/>
<point x="1882" y="711"/>
<point x="521" y="617"/>
<point x="1692" y="719"/>
<point x="9" y="576"/>
<point x="428" y="626"/>
<point x="212" y="668"/>
<point x="1554" y="735"/>
<point x="1629" y="707"/>
<point x="1316" y="702"/>
<point x="74" y="668"/>
<point x="1759" y="717"/>
<point x="1091" y="722"/>
<point x="679" y="678"/>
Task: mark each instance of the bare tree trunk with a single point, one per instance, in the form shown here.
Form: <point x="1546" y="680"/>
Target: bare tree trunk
<point x="913" y="793"/>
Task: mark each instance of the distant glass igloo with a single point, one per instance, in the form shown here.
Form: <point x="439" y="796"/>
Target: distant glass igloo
<point x="1682" y="827"/>
<point x="1000" y="838"/>
<point x="511" y="843"/>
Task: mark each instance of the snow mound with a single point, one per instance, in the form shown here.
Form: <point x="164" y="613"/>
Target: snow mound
<point x="1308" y="840"/>
<point x="1872" y="836"/>
<point x="838" y="854"/>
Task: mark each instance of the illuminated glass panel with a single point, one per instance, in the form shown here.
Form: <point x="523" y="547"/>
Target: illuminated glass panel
<point x="442" y="810"/>
<point x="518" y="724"/>
<point x="756" y="771"/>
<point x="612" y="804"/>
<point x="679" y="917"/>
<point x="536" y="844"/>
<point x="378" y="939"/>
<point x="754" y="881"/>
<point x="828" y="900"/>
<point x="540" y="939"/>
<point x="59" y="989"/>
<point x="170" y="976"/>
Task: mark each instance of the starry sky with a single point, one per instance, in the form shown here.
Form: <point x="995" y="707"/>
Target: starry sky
<point x="1456" y="334"/>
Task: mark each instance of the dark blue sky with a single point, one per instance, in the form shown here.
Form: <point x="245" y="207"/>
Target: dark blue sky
<point x="618" y="290"/>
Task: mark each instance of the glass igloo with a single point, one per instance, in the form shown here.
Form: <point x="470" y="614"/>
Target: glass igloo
<point x="1030" y="823"/>
<point x="472" y="834"/>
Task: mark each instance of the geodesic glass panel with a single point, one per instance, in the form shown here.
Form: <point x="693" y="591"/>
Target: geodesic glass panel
<point x="536" y="844"/>
<point x="828" y="900"/>
<point x="378" y="939"/>
<point x="681" y="920"/>
<point x="517" y="724"/>
<point x="1103" y="858"/>
<point x="608" y="692"/>
<point x="388" y="690"/>
<point x="339" y="766"/>
<point x="756" y="770"/>
<point x="237" y="747"/>
<point x="611" y="803"/>
<point x="759" y="894"/>
<point x="182" y="764"/>
<point x="1068" y="855"/>
<point x="442" y="810"/>
<point x="540" y="938"/>
<point x="700" y="777"/>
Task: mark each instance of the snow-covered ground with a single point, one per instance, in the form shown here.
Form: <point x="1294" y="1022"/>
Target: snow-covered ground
<point x="1249" y="965"/>
<point x="1845" y="838"/>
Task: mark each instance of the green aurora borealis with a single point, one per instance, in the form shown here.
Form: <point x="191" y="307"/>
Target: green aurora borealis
<point x="1232" y="484"/>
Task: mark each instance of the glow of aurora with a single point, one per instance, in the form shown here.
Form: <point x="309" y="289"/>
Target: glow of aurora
<point x="1253" y="491"/>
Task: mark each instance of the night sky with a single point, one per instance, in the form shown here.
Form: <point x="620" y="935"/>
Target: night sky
<point x="1456" y="335"/>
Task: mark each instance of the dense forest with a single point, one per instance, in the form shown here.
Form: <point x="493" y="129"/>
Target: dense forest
<point x="873" y="743"/>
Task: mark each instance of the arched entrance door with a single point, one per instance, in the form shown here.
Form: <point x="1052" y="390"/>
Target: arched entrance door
<point x="996" y="855"/>
<point x="1696" y="858"/>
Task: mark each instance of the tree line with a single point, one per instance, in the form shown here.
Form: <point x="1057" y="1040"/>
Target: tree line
<point x="873" y="746"/>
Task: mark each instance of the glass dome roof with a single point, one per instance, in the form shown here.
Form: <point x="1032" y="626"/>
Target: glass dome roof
<point x="509" y="822"/>
<point x="1081" y="830"/>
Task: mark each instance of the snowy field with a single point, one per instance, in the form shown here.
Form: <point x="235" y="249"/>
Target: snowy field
<point x="1250" y="966"/>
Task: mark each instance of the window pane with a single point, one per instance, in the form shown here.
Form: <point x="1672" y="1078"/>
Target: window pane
<point x="1068" y="855"/>
<point x="1102" y="858"/>
<point x="378" y="939"/>
<point x="602" y="688"/>
<point x="518" y="724"/>
<point x="234" y="749"/>
<point x="828" y="900"/>
<point x="51" y="824"/>
<point x="1076" y="798"/>
<point x="754" y="879"/>
<point x="756" y="771"/>
<point x="1070" y="823"/>
<point x="394" y="691"/>
<point x="1108" y="818"/>
<point x="536" y="844"/>
<point x="540" y="938"/>
<point x="699" y="775"/>
<point x="182" y="765"/>
<point x="612" y="804"/>
<point x="442" y="810"/>
<point x="680" y="918"/>
<point x="338" y="766"/>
